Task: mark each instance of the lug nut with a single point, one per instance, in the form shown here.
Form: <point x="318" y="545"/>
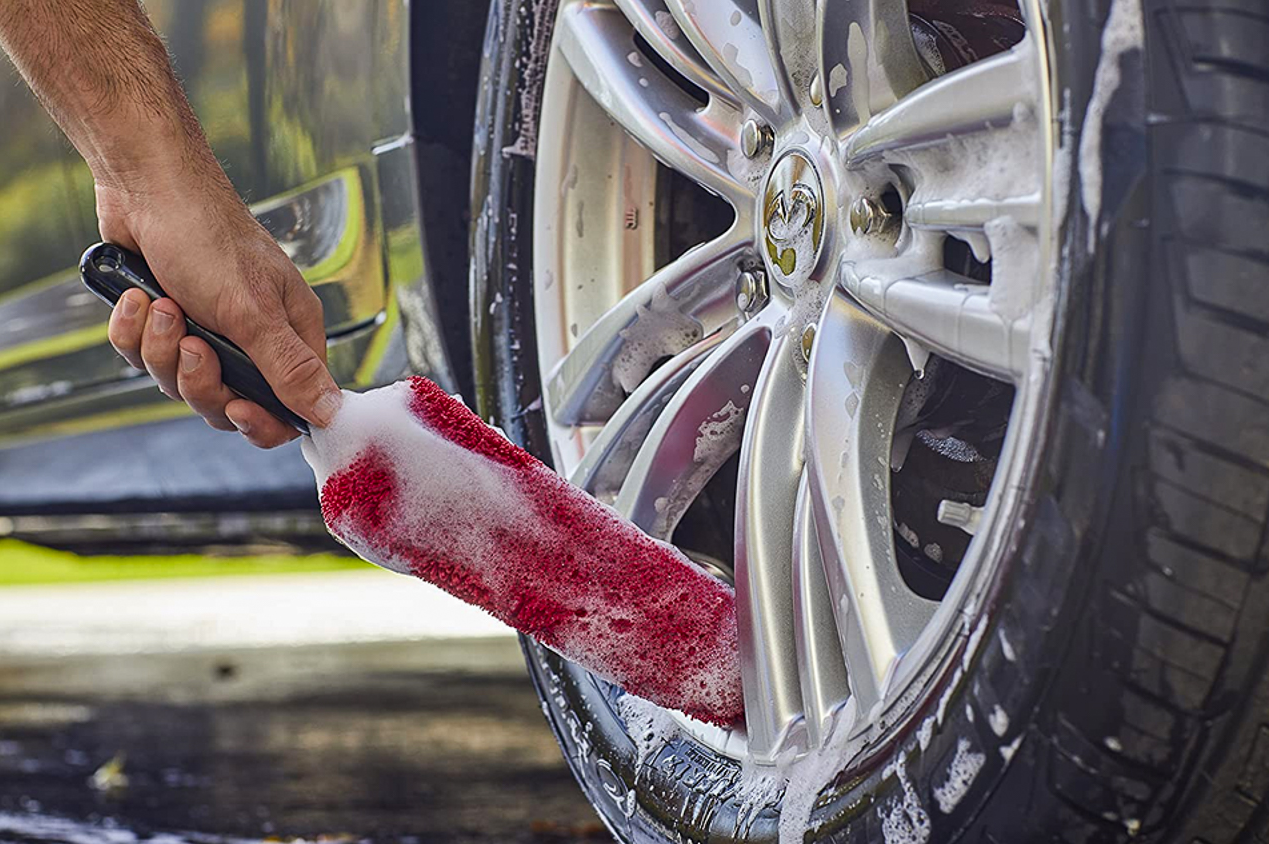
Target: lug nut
<point x="754" y="138"/>
<point x="817" y="91"/>
<point x="867" y="216"/>
<point x="751" y="290"/>
<point x="808" y="340"/>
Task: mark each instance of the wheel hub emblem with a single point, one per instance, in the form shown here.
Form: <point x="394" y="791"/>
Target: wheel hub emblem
<point x="793" y="217"/>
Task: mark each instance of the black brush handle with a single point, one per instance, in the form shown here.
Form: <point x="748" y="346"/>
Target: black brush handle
<point x="109" y="271"/>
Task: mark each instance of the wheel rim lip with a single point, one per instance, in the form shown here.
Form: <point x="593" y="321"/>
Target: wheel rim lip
<point x="911" y="676"/>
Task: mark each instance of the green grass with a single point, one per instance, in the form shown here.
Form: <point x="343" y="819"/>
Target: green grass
<point x="24" y="565"/>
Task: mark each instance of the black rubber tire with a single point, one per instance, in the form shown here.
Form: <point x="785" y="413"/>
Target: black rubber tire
<point x="1126" y="641"/>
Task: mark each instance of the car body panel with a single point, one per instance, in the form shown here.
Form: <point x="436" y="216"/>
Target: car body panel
<point x="306" y="103"/>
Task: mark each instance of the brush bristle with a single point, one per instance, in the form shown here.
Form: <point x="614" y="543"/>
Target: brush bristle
<point x="416" y="482"/>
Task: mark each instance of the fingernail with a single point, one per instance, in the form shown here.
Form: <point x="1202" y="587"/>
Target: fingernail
<point x="243" y="427"/>
<point x="326" y="407"/>
<point x="129" y="306"/>
<point x="190" y="360"/>
<point x="162" y="321"/>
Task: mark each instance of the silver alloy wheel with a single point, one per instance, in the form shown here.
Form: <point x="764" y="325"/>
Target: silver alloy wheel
<point x="794" y="336"/>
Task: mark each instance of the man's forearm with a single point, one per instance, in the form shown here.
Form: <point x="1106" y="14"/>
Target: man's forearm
<point x="101" y="70"/>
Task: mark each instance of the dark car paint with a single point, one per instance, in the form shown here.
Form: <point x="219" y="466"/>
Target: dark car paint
<point x="295" y="97"/>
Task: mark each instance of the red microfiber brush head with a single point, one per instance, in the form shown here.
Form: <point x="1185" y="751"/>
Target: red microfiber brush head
<point x="414" y="481"/>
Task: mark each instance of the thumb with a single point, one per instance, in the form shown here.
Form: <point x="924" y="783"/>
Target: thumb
<point x="296" y="373"/>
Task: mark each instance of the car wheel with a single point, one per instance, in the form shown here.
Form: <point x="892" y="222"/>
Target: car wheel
<point x="937" y="329"/>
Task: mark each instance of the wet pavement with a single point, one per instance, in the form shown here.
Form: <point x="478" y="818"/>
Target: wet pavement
<point x="414" y="742"/>
<point x="328" y="608"/>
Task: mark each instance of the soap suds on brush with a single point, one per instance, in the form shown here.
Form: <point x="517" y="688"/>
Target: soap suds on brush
<point x="410" y="479"/>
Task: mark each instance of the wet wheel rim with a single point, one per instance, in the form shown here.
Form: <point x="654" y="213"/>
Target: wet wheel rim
<point x="889" y="250"/>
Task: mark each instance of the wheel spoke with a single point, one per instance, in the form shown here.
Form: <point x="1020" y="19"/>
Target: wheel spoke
<point x="980" y="96"/>
<point x="822" y="668"/>
<point x="948" y="314"/>
<point x="598" y="43"/>
<point x="657" y="26"/>
<point x="728" y="36"/>
<point x="695" y="433"/>
<point x="857" y="377"/>
<point x="686" y="300"/>
<point x="972" y="214"/>
<point x="608" y="459"/>
<point x="766" y="496"/>
<point x="867" y="59"/>
<point x="789" y="26"/>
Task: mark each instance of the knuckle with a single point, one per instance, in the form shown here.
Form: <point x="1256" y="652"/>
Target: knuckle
<point x="218" y="423"/>
<point x="123" y="337"/>
<point x="128" y="351"/>
<point x="163" y="376"/>
<point x="244" y="309"/>
<point x="297" y="370"/>
<point x="158" y="350"/>
<point x="204" y="394"/>
<point x="311" y="309"/>
<point x="254" y="329"/>
<point x="198" y="392"/>
<point x="266" y="442"/>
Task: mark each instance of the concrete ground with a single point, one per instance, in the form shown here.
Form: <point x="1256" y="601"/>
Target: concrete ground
<point x="338" y="707"/>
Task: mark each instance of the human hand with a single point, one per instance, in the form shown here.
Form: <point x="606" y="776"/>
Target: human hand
<point x="223" y="270"/>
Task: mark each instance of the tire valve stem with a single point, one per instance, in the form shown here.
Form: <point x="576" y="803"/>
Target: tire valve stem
<point x="967" y="517"/>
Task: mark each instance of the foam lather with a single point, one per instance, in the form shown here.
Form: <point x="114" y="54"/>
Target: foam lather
<point x="413" y="481"/>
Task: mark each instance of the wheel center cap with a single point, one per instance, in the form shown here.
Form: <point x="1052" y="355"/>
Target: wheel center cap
<point x="793" y="218"/>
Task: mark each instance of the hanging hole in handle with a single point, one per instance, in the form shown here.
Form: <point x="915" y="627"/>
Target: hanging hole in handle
<point x="108" y="261"/>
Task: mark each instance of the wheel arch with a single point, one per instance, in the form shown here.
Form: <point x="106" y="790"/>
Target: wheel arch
<point x="445" y="57"/>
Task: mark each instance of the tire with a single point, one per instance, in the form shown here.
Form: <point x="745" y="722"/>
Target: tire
<point x="1114" y="687"/>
